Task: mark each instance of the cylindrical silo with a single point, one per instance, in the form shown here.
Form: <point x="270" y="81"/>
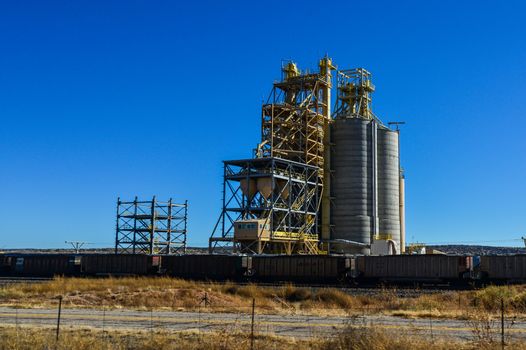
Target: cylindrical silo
<point x="388" y="172"/>
<point x="352" y="184"/>
<point x="402" y="213"/>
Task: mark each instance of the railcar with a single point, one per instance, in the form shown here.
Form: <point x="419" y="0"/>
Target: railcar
<point x="40" y="265"/>
<point x="300" y="268"/>
<point x="499" y="269"/>
<point x="5" y="266"/>
<point x="119" y="264"/>
<point x="413" y="269"/>
<point x="319" y="269"/>
<point x="206" y="267"/>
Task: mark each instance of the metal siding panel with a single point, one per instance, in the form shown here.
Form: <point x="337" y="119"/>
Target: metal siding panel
<point x="302" y="269"/>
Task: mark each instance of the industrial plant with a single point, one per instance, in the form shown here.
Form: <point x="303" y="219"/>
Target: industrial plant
<point x="320" y="201"/>
<point x="325" y="176"/>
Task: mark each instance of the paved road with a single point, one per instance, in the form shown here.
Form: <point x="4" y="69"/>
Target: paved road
<point x="301" y="326"/>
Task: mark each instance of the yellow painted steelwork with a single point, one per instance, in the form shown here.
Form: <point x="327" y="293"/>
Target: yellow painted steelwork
<point x="383" y="237"/>
<point x="295" y="126"/>
<point x="326" y="68"/>
<point x="294" y="119"/>
<point x="293" y="235"/>
<point x="355" y="93"/>
<point x="291" y="70"/>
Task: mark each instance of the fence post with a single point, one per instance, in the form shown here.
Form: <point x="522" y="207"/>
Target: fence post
<point x="103" y="326"/>
<point x="16" y="324"/>
<point x="252" y="325"/>
<point x="502" y="323"/>
<point x="58" y="317"/>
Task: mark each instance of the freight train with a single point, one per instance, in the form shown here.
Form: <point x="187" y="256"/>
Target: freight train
<point x="415" y="270"/>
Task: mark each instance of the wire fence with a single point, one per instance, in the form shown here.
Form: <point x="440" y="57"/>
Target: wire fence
<point x="502" y="326"/>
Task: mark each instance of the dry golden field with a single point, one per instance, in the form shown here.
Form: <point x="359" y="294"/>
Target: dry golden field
<point x="22" y="338"/>
<point x="478" y="307"/>
<point x="174" y="294"/>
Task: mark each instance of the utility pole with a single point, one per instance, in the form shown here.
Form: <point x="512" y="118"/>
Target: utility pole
<point x="77" y="245"/>
<point x="397" y="124"/>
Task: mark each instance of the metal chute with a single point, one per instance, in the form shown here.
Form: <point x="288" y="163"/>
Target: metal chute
<point x="264" y="186"/>
<point x="249" y="188"/>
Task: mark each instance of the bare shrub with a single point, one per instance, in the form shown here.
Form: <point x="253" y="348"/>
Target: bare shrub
<point x="294" y="294"/>
<point x="489" y="298"/>
<point x="337" y="298"/>
<point x="357" y="335"/>
<point x="483" y="327"/>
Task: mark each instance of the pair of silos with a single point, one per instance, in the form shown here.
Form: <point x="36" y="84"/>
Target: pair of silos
<point x="365" y="185"/>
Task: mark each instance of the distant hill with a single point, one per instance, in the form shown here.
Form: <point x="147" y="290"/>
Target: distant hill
<point x="478" y="250"/>
<point x="189" y="250"/>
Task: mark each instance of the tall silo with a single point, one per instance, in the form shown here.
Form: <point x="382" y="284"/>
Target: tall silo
<point x="351" y="187"/>
<point x="388" y="185"/>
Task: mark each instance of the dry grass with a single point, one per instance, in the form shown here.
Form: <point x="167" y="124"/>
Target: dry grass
<point x="88" y="339"/>
<point x="172" y="294"/>
<point x="353" y="337"/>
<point x="164" y="293"/>
<point x="360" y="337"/>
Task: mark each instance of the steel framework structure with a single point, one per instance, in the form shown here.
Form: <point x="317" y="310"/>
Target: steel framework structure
<point x="151" y="227"/>
<point x="284" y="193"/>
<point x="294" y="117"/>
<point x="354" y="90"/>
<point x="295" y="125"/>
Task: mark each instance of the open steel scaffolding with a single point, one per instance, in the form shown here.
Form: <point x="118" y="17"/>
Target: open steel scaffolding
<point x="354" y="94"/>
<point x="151" y="227"/>
<point x="281" y="194"/>
<point x="295" y="116"/>
<point x="295" y="125"/>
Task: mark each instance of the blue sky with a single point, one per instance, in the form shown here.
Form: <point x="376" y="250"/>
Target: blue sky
<point x="100" y="99"/>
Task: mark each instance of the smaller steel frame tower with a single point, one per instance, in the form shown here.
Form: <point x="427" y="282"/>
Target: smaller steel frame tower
<point x="354" y="92"/>
<point x="151" y="227"/>
<point x="281" y="195"/>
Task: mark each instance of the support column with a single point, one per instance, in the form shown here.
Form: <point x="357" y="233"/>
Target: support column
<point x="402" y="213"/>
<point x="325" y="69"/>
<point x="374" y="143"/>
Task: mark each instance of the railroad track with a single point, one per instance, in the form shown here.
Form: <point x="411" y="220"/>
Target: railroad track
<point x="400" y="291"/>
<point x="17" y="280"/>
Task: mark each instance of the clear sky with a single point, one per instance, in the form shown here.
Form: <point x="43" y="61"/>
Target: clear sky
<point x="100" y="99"/>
